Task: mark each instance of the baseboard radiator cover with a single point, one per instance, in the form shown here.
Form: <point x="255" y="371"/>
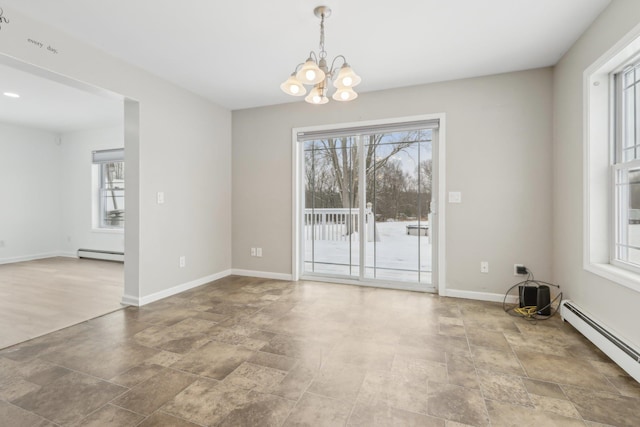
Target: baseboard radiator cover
<point x="623" y="353"/>
<point x="101" y="255"/>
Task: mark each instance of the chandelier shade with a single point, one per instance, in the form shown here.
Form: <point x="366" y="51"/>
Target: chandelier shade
<point x="310" y="73"/>
<point x="345" y="94"/>
<point x="293" y="87"/>
<point x="314" y="72"/>
<point x="346" y="77"/>
<point x="317" y="96"/>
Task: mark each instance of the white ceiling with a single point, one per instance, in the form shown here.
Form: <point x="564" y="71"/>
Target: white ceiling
<point x="237" y="53"/>
<point x="51" y="106"/>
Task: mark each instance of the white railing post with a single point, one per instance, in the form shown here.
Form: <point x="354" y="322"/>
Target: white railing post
<point x="334" y="223"/>
<point x="370" y="221"/>
<point x="323" y="227"/>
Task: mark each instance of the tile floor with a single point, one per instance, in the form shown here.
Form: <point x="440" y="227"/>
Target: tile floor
<point x="256" y="352"/>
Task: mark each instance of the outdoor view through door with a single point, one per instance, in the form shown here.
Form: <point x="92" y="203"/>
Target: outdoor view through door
<point x="367" y="202"/>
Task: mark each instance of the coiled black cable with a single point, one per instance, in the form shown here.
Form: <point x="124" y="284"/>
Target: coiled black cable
<point x="531" y="313"/>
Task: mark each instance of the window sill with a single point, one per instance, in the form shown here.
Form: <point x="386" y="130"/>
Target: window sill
<point x="616" y="274"/>
<point x="108" y="230"/>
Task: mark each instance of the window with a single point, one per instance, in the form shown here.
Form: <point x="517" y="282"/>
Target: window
<point x="612" y="163"/>
<point x="110" y="188"/>
<point x="626" y="169"/>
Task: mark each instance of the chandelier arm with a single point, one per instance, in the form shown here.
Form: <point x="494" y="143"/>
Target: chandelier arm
<point x="332" y="69"/>
<point x="295" y="70"/>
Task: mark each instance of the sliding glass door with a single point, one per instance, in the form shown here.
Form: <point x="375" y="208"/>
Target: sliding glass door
<point x="366" y="211"/>
<point x="331" y="209"/>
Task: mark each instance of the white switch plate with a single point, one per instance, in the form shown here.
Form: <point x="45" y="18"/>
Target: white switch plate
<point x="183" y="261"/>
<point x="484" y="267"/>
<point x="160" y="197"/>
<point x="253" y="251"/>
<point x="455" y="197"/>
<point x="258" y="251"/>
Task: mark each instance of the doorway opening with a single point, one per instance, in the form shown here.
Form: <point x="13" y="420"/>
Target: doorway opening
<point x="51" y="130"/>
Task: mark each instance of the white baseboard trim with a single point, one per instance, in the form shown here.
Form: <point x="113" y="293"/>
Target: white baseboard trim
<point x="480" y="296"/>
<point x="132" y="300"/>
<point x="129" y="300"/>
<point x="33" y="257"/>
<point x="68" y="254"/>
<point x="135" y="301"/>
<point x="262" y="274"/>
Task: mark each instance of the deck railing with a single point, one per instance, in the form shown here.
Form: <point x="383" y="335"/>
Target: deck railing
<point x="338" y="224"/>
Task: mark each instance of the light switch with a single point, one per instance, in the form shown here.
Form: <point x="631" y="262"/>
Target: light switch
<point x="160" y="197"/>
<point x="455" y="197"/>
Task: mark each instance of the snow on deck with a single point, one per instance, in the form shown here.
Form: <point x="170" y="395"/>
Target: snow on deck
<point x="396" y="256"/>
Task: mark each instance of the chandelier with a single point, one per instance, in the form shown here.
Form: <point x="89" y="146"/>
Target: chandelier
<point x="314" y="72"/>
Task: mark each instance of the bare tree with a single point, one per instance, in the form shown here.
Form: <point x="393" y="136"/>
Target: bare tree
<point x="320" y="188"/>
<point x="342" y="155"/>
<point x="392" y="186"/>
<point x="332" y="168"/>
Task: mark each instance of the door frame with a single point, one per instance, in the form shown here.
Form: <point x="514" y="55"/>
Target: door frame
<point x="437" y="206"/>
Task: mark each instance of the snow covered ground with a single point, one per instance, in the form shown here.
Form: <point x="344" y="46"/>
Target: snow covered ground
<point x="396" y="256"/>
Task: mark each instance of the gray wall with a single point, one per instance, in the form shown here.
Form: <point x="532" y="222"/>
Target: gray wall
<point x="183" y="149"/>
<point x="611" y="303"/>
<point x="77" y="229"/>
<point x="30" y="205"/>
<point x="46" y="187"/>
<point x="498" y="154"/>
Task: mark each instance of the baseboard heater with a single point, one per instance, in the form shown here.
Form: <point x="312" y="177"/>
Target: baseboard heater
<point x="103" y="255"/>
<point x="624" y="354"/>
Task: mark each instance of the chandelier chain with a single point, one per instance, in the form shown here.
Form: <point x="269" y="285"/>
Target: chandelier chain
<point x="322" y="53"/>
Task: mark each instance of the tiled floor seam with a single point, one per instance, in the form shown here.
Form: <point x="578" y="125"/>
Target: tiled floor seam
<point x="109" y="403"/>
<point x="126" y="409"/>
<point x="475" y="368"/>
<point x="33" y="413"/>
<point x="527" y="376"/>
<point x="88" y="375"/>
<point x="160" y="411"/>
<point x="315" y="374"/>
<point x="355" y="401"/>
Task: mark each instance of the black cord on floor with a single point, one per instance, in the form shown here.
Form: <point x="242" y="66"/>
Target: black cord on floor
<point x="531" y="313"/>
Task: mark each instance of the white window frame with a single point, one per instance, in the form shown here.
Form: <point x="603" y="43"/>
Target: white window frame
<point x="438" y="207"/>
<point x="100" y="159"/>
<point x="619" y="195"/>
<point x="599" y="134"/>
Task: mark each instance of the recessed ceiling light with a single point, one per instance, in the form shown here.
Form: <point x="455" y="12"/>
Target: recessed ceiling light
<point x="11" y="95"/>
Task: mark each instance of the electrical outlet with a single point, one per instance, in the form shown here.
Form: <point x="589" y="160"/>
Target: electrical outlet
<point x="183" y="261"/>
<point x="1" y="243"/>
<point x="160" y="197"/>
<point x="253" y="251"/>
<point x="259" y="252"/>
<point x="484" y="267"/>
<point x="516" y="272"/>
